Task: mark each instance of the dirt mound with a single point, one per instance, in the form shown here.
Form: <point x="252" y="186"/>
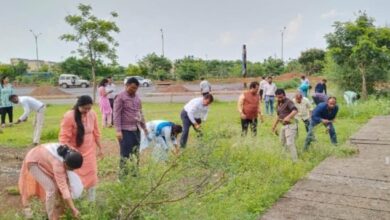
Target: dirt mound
<point x="173" y="88"/>
<point x="288" y="76"/>
<point x="48" y="91"/>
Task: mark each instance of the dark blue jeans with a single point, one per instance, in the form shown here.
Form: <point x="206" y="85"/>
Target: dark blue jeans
<point x="310" y="134"/>
<point x="129" y="148"/>
<point x="187" y="124"/>
<point x="269" y="104"/>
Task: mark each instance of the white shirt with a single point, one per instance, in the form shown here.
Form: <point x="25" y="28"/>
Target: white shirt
<point x="168" y="141"/>
<point x="196" y="109"/>
<point x="29" y="104"/>
<point x="111" y="87"/>
<point x="205" y="86"/>
<point x="262" y="83"/>
<point x="269" y="89"/>
<point x="304" y="108"/>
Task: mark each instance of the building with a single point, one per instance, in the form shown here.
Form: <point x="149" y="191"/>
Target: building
<point x="33" y="65"/>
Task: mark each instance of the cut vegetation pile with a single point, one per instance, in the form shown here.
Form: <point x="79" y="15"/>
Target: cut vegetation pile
<point x="173" y="89"/>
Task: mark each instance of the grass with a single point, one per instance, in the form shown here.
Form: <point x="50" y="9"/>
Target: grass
<point x="244" y="176"/>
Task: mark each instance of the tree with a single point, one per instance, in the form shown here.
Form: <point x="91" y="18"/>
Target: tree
<point x="361" y="52"/>
<point x="80" y="67"/>
<point x="158" y="67"/>
<point x="273" y="66"/>
<point x="93" y="36"/>
<point x="190" y="68"/>
<point x="312" y="60"/>
<point x="135" y="70"/>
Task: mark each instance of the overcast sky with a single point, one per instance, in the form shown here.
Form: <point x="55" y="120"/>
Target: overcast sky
<point x="209" y="29"/>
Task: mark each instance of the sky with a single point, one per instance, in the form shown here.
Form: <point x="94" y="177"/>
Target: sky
<point x="207" y="29"/>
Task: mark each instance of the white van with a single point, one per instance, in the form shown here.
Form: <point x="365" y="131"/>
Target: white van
<point x="71" y="80"/>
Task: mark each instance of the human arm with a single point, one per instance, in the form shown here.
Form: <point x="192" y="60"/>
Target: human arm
<point x="276" y="122"/>
<point x="26" y="112"/>
<point x="67" y="127"/>
<point x="240" y="106"/>
<point x="142" y="121"/>
<point x="97" y="134"/>
<point x="118" y="106"/>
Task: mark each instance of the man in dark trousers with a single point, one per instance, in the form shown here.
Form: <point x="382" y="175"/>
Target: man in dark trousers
<point x="324" y="113"/>
<point x="194" y="113"/>
<point x="249" y="108"/>
<point x="128" y="119"/>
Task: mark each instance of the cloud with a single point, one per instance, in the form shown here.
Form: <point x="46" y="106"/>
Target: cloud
<point x="226" y="38"/>
<point x="293" y="27"/>
<point x="330" y="14"/>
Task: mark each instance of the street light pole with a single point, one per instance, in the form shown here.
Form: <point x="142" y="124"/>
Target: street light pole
<point x="162" y="41"/>
<point x="36" y="35"/>
<point x="282" y="32"/>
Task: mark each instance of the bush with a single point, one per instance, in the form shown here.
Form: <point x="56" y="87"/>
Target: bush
<point x="291" y="84"/>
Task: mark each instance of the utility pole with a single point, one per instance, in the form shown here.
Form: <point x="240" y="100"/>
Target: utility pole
<point x="162" y="41"/>
<point x="36" y="35"/>
<point x="282" y="32"/>
<point x="244" y="69"/>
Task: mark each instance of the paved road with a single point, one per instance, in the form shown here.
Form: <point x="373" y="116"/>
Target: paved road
<point x="144" y="92"/>
<point x="349" y="188"/>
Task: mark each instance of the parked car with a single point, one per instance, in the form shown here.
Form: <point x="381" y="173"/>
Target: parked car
<point x="71" y="80"/>
<point x="142" y="81"/>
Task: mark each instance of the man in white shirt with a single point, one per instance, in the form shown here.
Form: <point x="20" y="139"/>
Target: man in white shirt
<point x="31" y="104"/>
<point x="304" y="109"/>
<point x="111" y="95"/>
<point x="269" y="96"/>
<point x="205" y="87"/>
<point x="162" y="134"/>
<point x="194" y="112"/>
<point x="262" y="83"/>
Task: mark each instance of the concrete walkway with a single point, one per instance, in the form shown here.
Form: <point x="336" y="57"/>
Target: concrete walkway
<point x="357" y="187"/>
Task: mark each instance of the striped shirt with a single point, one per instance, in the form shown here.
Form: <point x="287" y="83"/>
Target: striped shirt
<point x="128" y="112"/>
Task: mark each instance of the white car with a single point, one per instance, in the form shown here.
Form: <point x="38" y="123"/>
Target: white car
<point x="71" y="80"/>
<point x="142" y="81"/>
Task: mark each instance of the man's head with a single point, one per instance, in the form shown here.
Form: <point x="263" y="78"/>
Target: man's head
<point x="207" y="99"/>
<point x="331" y="102"/>
<point x="263" y="77"/>
<point x="14" y="99"/>
<point x="324" y="81"/>
<point x="202" y="78"/>
<point x="132" y="85"/>
<point x="269" y="79"/>
<point x="254" y="87"/>
<point x="357" y="96"/>
<point x="303" y="77"/>
<point x="298" y="97"/>
<point x="280" y="95"/>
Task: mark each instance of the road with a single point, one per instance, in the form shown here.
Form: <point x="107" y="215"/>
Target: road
<point x="147" y="94"/>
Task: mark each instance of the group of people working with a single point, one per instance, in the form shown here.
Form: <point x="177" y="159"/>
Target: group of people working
<point x="46" y="167"/>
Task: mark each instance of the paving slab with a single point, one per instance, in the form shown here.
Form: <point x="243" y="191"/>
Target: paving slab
<point x="357" y="187"/>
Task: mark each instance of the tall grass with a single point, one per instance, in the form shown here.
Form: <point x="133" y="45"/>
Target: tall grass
<point x="243" y="176"/>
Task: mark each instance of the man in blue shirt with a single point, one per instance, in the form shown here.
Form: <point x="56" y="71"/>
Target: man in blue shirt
<point x="324" y="113"/>
<point x="321" y="87"/>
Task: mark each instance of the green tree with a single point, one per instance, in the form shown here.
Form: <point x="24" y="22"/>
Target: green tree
<point x="158" y="67"/>
<point x="361" y="52"/>
<point x="93" y="36"/>
<point x="80" y="67"/>
<point x="135" y="70"/>
<point x="273" y="66"/>
<point x="294" y="66"/>
<point x="190" y="68"/>
<point x="312" y="60"/>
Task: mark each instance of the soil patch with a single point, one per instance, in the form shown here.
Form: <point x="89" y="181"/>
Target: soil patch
<point x="48" y="91"/>
<point x="11" y="160"/>
<point x="173" y="89"/>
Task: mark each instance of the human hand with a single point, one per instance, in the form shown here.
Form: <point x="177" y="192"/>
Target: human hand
<point x="286" y="120"/>
<point x="242" y="115"/>
<point x="325" y="121"/>
<point x="18" y="121"/>
<point x="75" y="213"/>
<point x="119" y="136"/>
<point x="197" y="126"/>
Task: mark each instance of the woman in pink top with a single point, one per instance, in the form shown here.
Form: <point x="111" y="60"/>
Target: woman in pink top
<point x="44" y="174"/>
<point x="79" y="130"/>
<point x="104" y="103"/>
